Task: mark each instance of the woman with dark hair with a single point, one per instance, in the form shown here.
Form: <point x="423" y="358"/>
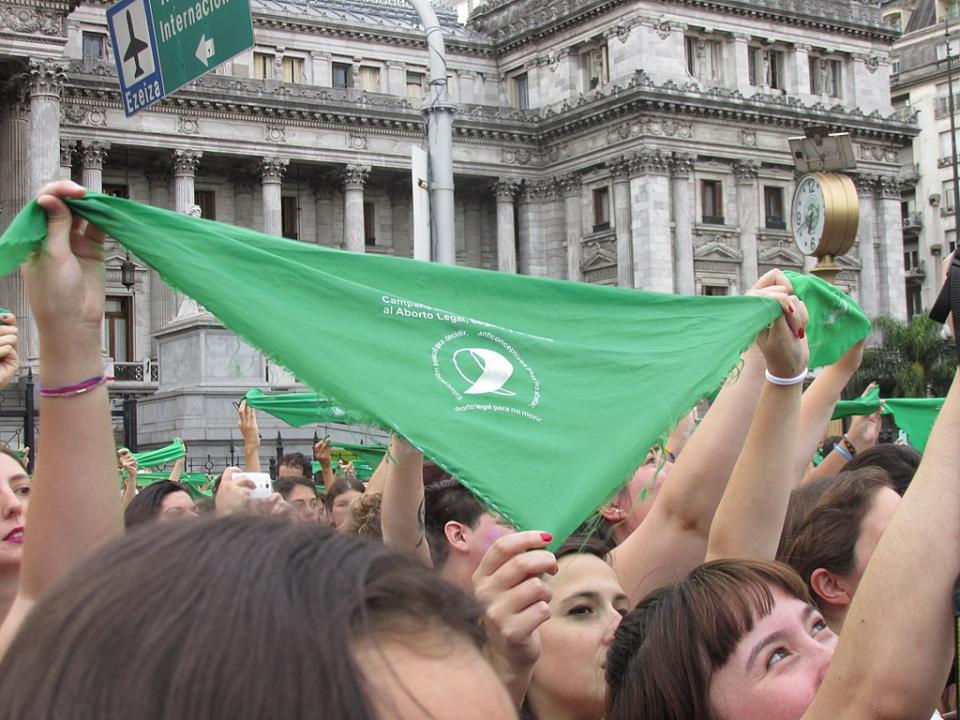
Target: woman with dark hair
<point x="161" y="501"/>
<point x="739" y="641"/>
<point x="338" y="499"/>
<point x="240" y="617"/>
<point x="14" y="497"/>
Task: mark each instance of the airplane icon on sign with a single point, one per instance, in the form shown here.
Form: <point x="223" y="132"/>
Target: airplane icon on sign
<point x="134" y="48"/>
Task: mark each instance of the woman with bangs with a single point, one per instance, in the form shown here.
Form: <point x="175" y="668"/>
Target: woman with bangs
<point x="741" y="639"/>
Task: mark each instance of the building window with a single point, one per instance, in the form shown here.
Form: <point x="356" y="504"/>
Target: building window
<point x="711" y="198"/>
<point x="115" y="190"/>
<point x="262" y="66"/>
<point x="521" y="92"/>
<point x="826" y="76"/>
<point x="293" y="70"/>
<point x="895" y="66"/>
<point x="118" y="328"/>
<point x="911" y="260"/>
<point x="370" y="78"/>
<point x="943" y="98"/>
<point x="289" y="217"/>
<point x="914" y="300"/>
<point x="206" y="200"/>
<point x="94" y="45"/>
<point x="766" y="67"/>
<point x="946" y="147"/>
<point x="714" y="290"/>
<point x="415" y="83"/>
<point x="946" y="199"/>
<point x="942" y="49"/>
<point x="342" y="75"/>
<point x="594" y="67"/>
<point x="601" y="209"/>
<point x="951" y="237"/>
<point x="369" y="224"/>
<point x="773" y="207"/>
<point x="704" y="59"/>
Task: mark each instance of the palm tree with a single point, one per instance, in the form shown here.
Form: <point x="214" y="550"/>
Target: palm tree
<point x="913" y="360"/>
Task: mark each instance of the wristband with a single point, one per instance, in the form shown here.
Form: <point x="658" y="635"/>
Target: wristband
<point x="844" y="453"/>
<point x="771" y="378"/>
<point x="849" y="446"/>
<point x="69" y="391"/>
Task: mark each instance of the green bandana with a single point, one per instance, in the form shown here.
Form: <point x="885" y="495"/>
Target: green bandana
<point x="864" y="405"/>
<point x="836" y="322"/>
<point x="505" y="381"/>
<point x="915" y="416"/>
<point x="365" y="458"/>
<point x="199" y="485"/>
<point x="161" y="456"/>
<point x="299" y="409"/>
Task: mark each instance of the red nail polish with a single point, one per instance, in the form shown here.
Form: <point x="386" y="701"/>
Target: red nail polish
<point x="546" y="537"/>
<point x="800" y="333"/>
<point x="790" y="309"/>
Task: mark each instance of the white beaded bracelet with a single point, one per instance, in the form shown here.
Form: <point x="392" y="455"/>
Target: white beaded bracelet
<point x="771" y="378"/>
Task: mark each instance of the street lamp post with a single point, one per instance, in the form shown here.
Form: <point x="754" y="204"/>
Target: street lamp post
<point x="953" y="127"/>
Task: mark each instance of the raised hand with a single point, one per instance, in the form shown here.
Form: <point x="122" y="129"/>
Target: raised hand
<point x="9" y="357"/>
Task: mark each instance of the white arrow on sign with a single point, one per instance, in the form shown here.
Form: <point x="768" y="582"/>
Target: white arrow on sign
<point x="205" y="50"/>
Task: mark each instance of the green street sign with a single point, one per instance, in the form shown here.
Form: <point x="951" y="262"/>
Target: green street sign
<point x="161" y="45"/>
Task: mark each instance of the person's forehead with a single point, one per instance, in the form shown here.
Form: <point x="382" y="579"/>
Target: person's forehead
<point x="178" y="499"/>
<point x="300" y="492"/>
<point x="584" y="573"/>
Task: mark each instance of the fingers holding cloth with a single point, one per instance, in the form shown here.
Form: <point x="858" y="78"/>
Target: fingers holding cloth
<point x="784" y="343"/>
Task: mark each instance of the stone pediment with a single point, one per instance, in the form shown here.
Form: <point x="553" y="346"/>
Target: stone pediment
<point x="717" y="251"/>
<point x="781" y="255"/>
<point x="597" y="257"/>
<point x="845" y="262"/>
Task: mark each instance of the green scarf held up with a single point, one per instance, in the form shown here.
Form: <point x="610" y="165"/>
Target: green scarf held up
<point x="915" y="416"/>
<point x="161" y="456"/>
<point x="863" y="405"/>
<point x="505" y="381"/>
<point x="299" y="409"/>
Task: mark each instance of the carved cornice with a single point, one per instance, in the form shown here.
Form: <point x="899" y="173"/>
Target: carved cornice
<point x="272" y="169"/>
<point x="354" y="177"/>
<point x="46" y="78"/>
<point x="514" y="23"/>
<point x="185" y="162"/>
<point x="681" y="164"/>
<point x="23" y="20"/>
<point x="93" y="154"/>
<point x="506" y="189"/>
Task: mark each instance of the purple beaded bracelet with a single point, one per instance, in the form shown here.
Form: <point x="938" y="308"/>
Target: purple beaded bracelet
<point x="69" y="391"/>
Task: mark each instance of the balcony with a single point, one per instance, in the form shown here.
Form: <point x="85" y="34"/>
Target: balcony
<point x="141" y="376"/>
<point x="916" y="271"/>
<point x="912" y="224"/>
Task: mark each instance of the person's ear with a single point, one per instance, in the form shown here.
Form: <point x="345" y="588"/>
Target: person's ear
<point x="830" y="587"/>
<point x="612" y="513"/>
<point x="456" y="536"/>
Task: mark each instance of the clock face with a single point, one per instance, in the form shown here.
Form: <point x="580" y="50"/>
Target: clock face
<point x="808" y="214"/>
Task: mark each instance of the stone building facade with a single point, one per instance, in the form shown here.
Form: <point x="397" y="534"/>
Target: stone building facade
<point x="639" y="143"/>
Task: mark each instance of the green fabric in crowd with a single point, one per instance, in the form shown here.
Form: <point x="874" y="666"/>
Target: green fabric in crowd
<point x="199" y="485"/>
<point x="299" y="409"/>
<point x="505" y="381"/>
<point x="864" y="405"/>
<point x="161" y="456"/>
<point x="836" y="322"/>
<point x="915" y="416"/>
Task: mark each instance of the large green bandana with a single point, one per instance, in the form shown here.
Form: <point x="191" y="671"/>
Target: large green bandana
<point x="161" y="456"/>
<point x="199" y="485"/>
<point x="507" y="382"/>
<point x="863" y="405"/>
<point x="836" y="322"/>
<point x="915" y="416"/>
<point x="299" y="409"/>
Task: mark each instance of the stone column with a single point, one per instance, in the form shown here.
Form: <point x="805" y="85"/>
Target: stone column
<point x="14" y="194"/>
<point x="893" y="290"/>
<point x="505" y="190"/>
<point x="866" y="234"/>
<point x="67" y="149"/>
<point x="323" y="192"/>
<point x="798" y="81"/>
<point x="531" y="259"/>
<point x="354" y="178"/>
<point x="650" y="208"/>
<point x="681" y="166"/>
<point x="46" y="86"/>
<point x="747" y="172"/>
<point x="740" y="63"/>
<point x="471" y="229"/>
<point x="623" y="220"/>
<point x="272" y="170"/>
<point x="185" y="163"/>
<point x="572" y="188"/>
<point x="163" y="306"/>
<point x="401" y="219"/>
<point x="93" y="154"/>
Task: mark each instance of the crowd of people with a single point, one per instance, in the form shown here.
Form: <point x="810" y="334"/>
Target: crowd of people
<point x="730" y="578"/>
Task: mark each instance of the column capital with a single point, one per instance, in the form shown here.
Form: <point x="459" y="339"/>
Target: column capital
<point x="800" y="47"/>
<point x="866" y="184"/>
<point x="570" y="184"/>
<point x="889" y="187"/>
<point x="354" y="177"/>
<point x="185" y="162"/>
<point x="650" y="162"/>
<point x="272" y="169"/>
<point x="67" y="149"/>
<point x="93" y="154"/>
<point x="746" y="171"/>
<point x="620" y="168"/>
<point x="681" y="164"/>
<point x="46" y="78"/>
<point x="157" y="173"/>
<point x="506" y="189"/>
<point x="534" y="190"/>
